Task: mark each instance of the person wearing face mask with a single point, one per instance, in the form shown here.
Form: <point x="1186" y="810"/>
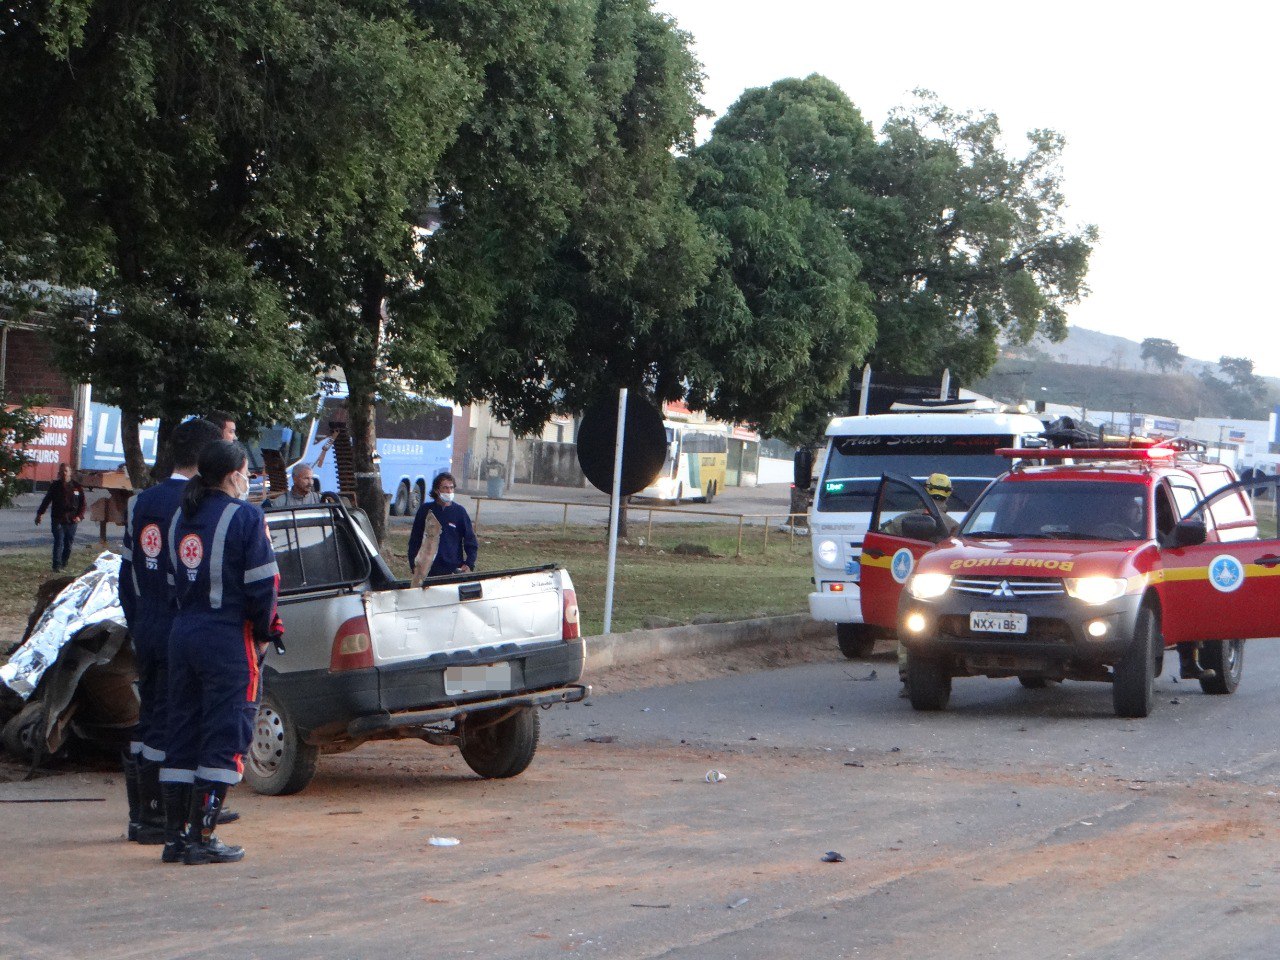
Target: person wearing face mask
<point x="456" y="552"/>
<point x="225" y="583"/>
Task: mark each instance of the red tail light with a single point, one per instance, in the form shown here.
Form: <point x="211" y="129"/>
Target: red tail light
<point x="572" y="630"/>
<point x="352" y="646"/>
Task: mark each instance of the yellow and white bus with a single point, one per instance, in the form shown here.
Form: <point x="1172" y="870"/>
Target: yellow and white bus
<point x="695" y="465"/>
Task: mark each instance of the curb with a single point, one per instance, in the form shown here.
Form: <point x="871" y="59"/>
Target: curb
<point x="610" y="650"/>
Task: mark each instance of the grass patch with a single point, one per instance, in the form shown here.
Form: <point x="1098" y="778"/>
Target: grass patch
<point x="653" y="580"/>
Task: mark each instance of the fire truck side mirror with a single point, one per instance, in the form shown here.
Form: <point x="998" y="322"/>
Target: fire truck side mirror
<point x="1189" y="533"/>
<point x="803" y="463"/>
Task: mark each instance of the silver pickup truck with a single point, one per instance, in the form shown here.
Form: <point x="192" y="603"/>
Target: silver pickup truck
<point x="460" y="661"/>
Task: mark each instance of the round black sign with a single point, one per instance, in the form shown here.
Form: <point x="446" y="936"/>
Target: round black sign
<point x="644" y="445"/>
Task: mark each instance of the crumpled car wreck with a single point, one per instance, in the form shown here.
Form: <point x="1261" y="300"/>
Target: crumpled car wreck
<point x="73" y="675"/>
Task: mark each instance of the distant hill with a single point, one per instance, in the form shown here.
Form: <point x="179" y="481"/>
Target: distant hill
<point x="1106" y="372"/>
<point x="1093" y="348"/>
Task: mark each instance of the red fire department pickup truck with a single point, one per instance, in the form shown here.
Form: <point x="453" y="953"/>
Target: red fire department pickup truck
<point x="1079" y="564"/>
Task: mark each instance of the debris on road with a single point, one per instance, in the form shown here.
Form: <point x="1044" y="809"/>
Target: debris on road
<point x="832" y="856"/>
<point x="715" y="776"/>
<point x="653" y="906"/>
<point x="739" y="903"/>
<point x="444" y="841"/>
<point x="605" y="739"/>
<point x="854" y="763"/>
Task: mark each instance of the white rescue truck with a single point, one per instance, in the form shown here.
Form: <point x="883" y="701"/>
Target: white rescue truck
<point x="957" y="440"/>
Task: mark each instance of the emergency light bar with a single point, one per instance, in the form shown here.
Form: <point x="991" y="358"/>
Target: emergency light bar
<point x="1089" y="453"/>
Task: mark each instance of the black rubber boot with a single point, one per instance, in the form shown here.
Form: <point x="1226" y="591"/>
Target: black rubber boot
<point x="177" y="802"/>
<point x="202" y="846"/>
<point x="227" y="816"/>
<point x="142" y="829"/>
<point x="1189" y="663"/>
<point x="150" y="803"/>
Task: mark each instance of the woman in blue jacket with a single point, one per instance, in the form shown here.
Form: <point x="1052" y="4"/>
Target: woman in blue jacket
<point x="225" y="582"/>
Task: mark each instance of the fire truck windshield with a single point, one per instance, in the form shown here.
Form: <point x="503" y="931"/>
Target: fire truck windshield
<point x="1060" y="510"/>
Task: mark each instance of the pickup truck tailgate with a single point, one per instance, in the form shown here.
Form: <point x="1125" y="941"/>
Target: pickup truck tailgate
<point x="411" y="623"/>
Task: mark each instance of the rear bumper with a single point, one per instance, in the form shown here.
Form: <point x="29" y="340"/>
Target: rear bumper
<point x="845" y="607"/>
<point x="329" y="706"/>
<point x="384" y="722"/>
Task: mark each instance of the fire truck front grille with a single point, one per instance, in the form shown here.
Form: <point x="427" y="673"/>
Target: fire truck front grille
<point x="1008" y="587"/>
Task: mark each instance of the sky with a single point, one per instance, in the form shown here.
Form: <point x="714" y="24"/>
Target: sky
<point x="1168" y="109"/>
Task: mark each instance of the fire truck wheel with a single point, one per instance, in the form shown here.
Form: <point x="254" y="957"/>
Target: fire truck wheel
<point x="1226" y="659"/>
<point x="1133" y="680"/>
<point x="856" y="640"/>
<point x="928" y="684"/>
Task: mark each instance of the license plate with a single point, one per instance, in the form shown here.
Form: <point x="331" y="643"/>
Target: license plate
<point x="998" y="622"/>
<point x="492" y="678"/>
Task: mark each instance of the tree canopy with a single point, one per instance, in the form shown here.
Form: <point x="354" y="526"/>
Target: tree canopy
<point x="1163" y="353"/>
<point x="961" y="245"/>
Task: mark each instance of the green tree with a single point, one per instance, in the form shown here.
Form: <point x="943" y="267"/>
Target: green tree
<point x="205" y="134"/>
<point x="19" y="426"/>
<point x="961" y="245"/>
<point x="785" y="316"/>
<point x="596" y="303"/>
<point x="1163" y="353"/>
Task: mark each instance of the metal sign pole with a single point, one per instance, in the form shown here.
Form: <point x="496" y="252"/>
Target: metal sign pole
<point x="614" y="504"/>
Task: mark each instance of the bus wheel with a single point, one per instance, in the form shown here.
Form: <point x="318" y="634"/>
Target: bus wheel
<point x="711" y="491"/>
<point x="416" y="496"/>
<point x="400" y="505"/>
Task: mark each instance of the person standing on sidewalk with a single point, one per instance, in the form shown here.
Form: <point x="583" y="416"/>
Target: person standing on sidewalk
<point x="458" y="547"/>
<point x="145" y="597"/>
<point x="65" y="503"/>
<point x="226" y="582"/>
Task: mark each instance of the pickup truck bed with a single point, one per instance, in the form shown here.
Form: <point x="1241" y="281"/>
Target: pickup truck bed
<point x="460" y="661"/>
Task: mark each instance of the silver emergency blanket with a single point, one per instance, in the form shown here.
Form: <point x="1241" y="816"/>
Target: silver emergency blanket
<point x="92" y="600"/>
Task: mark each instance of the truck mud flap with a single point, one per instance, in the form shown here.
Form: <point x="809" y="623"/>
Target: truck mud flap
<point x="381" y="722"/>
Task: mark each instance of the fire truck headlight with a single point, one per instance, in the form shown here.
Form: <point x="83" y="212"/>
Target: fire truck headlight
<point x="916" y="622"/>
<point x="829" y="553"/>
<point x="929" y="586"/>
<point x="1095" y="590"/>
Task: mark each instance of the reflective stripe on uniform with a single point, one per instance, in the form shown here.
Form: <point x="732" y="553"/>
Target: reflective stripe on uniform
<point x="173" y="547"/>
<point x="176" y="775"/>
<point x="215" y="555"/>
<point x="264" y="572"/>
<point x="152" y="754"/>
<point x="216" y="775"/>
<point x="128" y="546"/>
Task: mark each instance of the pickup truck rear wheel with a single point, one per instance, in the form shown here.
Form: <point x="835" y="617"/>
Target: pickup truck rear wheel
<point x="503" y="749"/>
<point x="1031" y="682"/>
<point x="1226" y="659"/>
<point x="928" y="683"/>
<point x="279" y="762"/>
<point x="856" y="640"/>
<point x="22" y="733"/>
<point x="1133" y="680"/>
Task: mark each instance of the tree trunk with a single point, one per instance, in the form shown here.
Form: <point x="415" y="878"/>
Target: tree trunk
<point x="622" y="517"/>
<point x="139" y="477"/>
<point x="362" y="387"/>
<point x="164" y="450"/>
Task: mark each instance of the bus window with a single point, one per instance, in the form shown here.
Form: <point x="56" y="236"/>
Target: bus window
<point x="429" y="422"/>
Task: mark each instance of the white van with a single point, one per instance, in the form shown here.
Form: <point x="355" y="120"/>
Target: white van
<point x="860" y="450"/>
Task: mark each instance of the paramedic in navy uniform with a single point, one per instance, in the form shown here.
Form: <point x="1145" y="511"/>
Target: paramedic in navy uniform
<point x="225" y="588"/>
<point x="144" y="596"/>
<point x="458" y="546"/>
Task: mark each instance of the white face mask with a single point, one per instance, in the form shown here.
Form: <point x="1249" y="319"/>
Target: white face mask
<point x="242" y="486"/>
<point x="445" y="497"/>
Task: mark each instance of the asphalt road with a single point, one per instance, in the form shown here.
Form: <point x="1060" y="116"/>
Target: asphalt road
<point x="1019" y="824"/>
